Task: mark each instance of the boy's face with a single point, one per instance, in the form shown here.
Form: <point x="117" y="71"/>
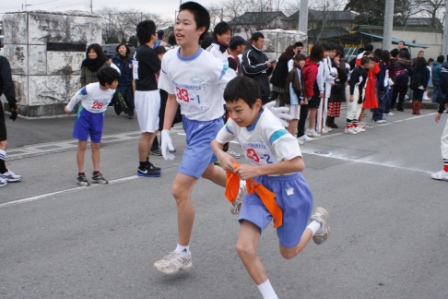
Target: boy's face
<point x="224" y="38"/>
<point x="240" y="49"/>
<point x="332" y="54"/>
<point x="186" y="30"/>
<point x="242" y="114"/>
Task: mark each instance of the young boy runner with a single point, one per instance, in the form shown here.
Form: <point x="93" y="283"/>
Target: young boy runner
<point x="94" y="98"/>
<point x="195" y="80"/>
<point x="275" y="163"/>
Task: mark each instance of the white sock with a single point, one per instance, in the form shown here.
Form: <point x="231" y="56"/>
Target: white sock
<point x="314" y="226"/>
<point x="267" y="291"/>
<point x="183" y="250"/>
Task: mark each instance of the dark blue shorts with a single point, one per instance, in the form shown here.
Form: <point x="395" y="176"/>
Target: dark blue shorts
<point x="88" y="124"/>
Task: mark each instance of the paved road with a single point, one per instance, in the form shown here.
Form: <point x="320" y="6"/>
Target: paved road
<point x="388" y="223"/>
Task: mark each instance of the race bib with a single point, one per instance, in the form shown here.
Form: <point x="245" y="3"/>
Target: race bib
<point x="258" y="154"/>
<point x="191" y="97"/>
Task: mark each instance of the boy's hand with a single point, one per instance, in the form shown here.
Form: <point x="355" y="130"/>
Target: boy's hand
<point x="280" y="112"/>
<point x="167" y="145"/>
<point x="246" y="171"/>
<point x="227" y="162"/>
<point x="67" y="111"/>
<point x="438" y="116"/>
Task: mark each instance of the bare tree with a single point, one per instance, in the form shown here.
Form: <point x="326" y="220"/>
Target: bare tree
<point x="435" y="9"/>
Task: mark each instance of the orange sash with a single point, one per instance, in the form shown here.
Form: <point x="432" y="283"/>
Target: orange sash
<point x="266" y="196"/>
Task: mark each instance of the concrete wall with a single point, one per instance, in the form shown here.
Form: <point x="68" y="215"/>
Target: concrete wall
<point x="433" y="40"/>
<point x="46" y="79"/>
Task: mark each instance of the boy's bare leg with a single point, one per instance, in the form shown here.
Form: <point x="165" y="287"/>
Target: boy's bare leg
<point x="215" y="174"/>
<point x="289" y="253"/>
<point x="144" y="145"/>
<point x="80" y="154"/>
<point x="95" y="155"/>
<point x="246" y="247"/>
<point x="182" y="189"/>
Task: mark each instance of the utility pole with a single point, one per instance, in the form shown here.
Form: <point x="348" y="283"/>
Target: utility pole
<point x="303" y="16"/>
<point x="91" y="6"/>
<point x="388" y="25"/>
<point x="445" y="32"/>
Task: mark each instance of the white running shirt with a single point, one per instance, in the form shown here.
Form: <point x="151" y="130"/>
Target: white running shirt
<point x="92" y="97"/>
<point x="198" y="83"/>
<point x="264" y="142"/>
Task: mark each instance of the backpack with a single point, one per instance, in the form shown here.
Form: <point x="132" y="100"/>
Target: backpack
<point x="402" y="74"/>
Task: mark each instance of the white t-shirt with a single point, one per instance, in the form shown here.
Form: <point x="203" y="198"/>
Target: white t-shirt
<point x="215" y="51"/>
<point x="264" y="142"/>
<point x="92" y="97"/>
<point x="198" y="83"/>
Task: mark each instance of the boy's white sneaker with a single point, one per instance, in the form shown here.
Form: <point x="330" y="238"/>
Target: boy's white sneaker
<point x="321" y="215"/>
<point x="236" y="205"/>
<point x="312" y="133"/>
<point x="3" y="182"/>
<point x="440" y="175"/>
<point x="10" y="176"/>
<point x="350" y="130"/>
<point x="173" y="263"/>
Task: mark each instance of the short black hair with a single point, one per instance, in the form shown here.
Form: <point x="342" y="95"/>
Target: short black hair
<point x="299" y="57"/>
<point x="221" y="28"/>
<point x="440" y="58"/>
<point x="201" y="15"/>
<point x="144" y="31"/>
<point x="107" y="75"/>
<point x="206" y="42"/>
<point x="404" y="54"/>
<point x="160" y="50"/>
<point x="317" y="53"/>
<point x="394" y="52"/>
<point x="430" y="60"/>
<point x="236" y="41"/>
<point x="365" y="60"/>
<point x="297" y="44"/>
<point x="172" y="39"/>
<point x="160" y="34"/>
<point x="256" y="36"/>
<point x="243" y="88"/>
<point x="368" y="47"/>
<point x="385" y="56"/>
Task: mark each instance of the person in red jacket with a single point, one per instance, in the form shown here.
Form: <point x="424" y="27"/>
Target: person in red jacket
<point x="311" y="92"/>
<point x="370" y="100"/>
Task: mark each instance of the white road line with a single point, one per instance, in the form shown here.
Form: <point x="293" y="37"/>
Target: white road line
<point x="71" y="190"/>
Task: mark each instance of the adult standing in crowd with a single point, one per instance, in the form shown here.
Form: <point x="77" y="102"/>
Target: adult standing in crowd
<point x="338" y="89"/>
<point x="123" y="60"/>
<point x="257" y="66"/>
<point x="436" y="69"/>
<point x="279" y="74"/>
<point x="147" y="97"/>
<point x="236" y="48"/>
<point x="95" y="59"/>
<point x="403" y="71"/>
<point x="6" y="88"/>
<point x="222" y="34"/>
<point x="419" y="82"/>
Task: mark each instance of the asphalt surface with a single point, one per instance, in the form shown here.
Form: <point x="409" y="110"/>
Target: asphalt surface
<point x="387" y="216"/>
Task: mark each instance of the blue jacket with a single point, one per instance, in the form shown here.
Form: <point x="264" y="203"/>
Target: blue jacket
<point x="436" y="68"/>
<point x="125" y="81"/>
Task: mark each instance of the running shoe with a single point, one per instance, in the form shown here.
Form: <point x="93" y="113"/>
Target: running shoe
<point x="98" y="178"/>
<point x="3" y="182"/>
<point x="440" y="175"/>
<point x="173" y="263"/>
<point x="10" y="176"/>
<point x="321" y="215"/>
<point x="82" y="180"/>
<point x="149" y="171"/>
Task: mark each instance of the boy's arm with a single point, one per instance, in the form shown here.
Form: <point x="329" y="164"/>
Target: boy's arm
<point x="246" y="171"/>
<point x="75" y="100"/>
<point x="224" y="135"/>
<point x="170" y="112"/>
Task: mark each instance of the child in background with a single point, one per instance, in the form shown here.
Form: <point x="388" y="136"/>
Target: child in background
<point x="275" y="163"/>
<point x="94" y="98"/>
<point x="294" y="95"/>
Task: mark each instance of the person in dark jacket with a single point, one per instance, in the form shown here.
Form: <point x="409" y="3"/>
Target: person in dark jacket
<point x="279" y="75"/>
<point x="123" y="60"/>
<point x="6" y="88"/>
<point x="338" y="89"/>
<point x="403" y="71"/>
<point x="436" y="68"/>
<point x="257" y="66"/>
<point x="443" y="174"/>
<point x="419" y="82"/>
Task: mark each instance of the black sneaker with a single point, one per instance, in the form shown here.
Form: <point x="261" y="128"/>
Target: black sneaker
<point x="99" y="179"/>
<point x="82" y="180"/>
<point x="156" y="152"/>
<point x="149" y="171"/>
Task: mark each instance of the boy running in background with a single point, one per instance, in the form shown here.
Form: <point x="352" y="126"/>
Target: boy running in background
<point x="275" y="163"/>
<point x="94" y="98"/>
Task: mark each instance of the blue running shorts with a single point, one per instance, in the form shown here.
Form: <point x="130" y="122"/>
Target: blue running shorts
<point x="198" y="154"/>
<point x="88" y="124"/>
<point x="294" y="198"/>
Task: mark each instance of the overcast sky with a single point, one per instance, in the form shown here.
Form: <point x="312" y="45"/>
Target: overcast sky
<point x="164" y="8"/>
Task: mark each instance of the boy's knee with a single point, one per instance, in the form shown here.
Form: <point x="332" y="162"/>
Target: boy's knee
<point x="95" y="145"/>
<point x="287" y="254"/>
<point x="244" y="249"/>
<point x="82" y="145"/>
